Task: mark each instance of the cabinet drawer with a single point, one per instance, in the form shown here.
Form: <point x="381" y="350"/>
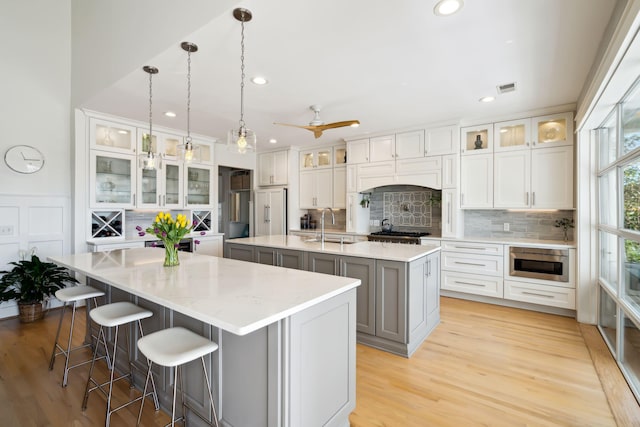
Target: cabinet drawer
<point x="489" y="286"/>
<point x="472" y="248"/>
<point x="478" y="264"/>
<point x="540" y="294"/>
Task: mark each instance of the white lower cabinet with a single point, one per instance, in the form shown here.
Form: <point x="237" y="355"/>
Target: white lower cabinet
<point x="490" y="286"/>
<point x="556" y="296"/>
<point x="209" y="245"/>
<point x="476" y="268"/>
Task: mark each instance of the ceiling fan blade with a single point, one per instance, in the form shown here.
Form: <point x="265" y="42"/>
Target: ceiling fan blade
<point x="311" y="128"/>
<point x="338" y="124"/>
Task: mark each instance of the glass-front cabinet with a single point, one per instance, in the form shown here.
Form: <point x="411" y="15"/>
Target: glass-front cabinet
<point x="198" y="188"/>
<point x="160" y="142"/>
<point x="512" y="135"/>
<point x="112" y="180"/>
<point x="114" y="137"/>
<point x="316" y="159"/>
<point x="476" y="139"/>
<point x="552" y="130"/>
<point x="339" y="156"/>
<point x="161" y="188"/>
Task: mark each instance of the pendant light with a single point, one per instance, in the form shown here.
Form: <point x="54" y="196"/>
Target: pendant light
<point x="242" y="139"/>
<point x="187" y="151"/>
<point x="150" y="160"/>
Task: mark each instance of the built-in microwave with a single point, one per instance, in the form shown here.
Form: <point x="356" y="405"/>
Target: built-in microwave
<point x="539" y="263"/>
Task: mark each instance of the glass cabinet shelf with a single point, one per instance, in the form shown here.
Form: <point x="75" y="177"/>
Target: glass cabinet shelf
<point x="477" y="139"/>
<point x="107" y="223"/>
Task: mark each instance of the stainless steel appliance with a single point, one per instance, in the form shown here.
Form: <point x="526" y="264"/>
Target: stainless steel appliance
<point x="185" y="245"/>
<point x="539" y="263"/>
<point x="397" y="237"/>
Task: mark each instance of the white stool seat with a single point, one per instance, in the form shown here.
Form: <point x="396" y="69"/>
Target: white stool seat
<point x="175" y="346"/>
<point x="118" y="313"/>
<point x="77" y="293"/>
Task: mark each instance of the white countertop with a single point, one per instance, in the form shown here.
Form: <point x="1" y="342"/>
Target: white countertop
<point x="374" y="250"/>
<point x="236" y="296"/>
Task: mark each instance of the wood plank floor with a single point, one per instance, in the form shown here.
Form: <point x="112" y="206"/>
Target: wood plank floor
<point x="484" y="365"/>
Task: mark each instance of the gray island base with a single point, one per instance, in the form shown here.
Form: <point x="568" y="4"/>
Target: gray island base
<point x="286" y="338"/>
<point x="398" y="302"/>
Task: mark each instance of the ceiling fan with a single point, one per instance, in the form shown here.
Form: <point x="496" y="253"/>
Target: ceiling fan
<point x="317" y="126"/>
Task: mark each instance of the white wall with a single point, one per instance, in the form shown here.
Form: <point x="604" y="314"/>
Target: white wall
<point x="35" y="77"/>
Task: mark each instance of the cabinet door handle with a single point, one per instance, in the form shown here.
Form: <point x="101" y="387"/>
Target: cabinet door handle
<point x="461" y="199"/>
<point x="185" y="200"/>
<point x="469" y="263"/>
<point x="526" y="143"/>
<point x="533" y="198"/>
<point x="527" y="198"/>
<point x="164" y="200"/>
<point x="469" y="283"/>
<point x="159" y="200"/>
<point x="537" y="294"/>
<point x="449" y="214"/>
<point x="134" y="198"/>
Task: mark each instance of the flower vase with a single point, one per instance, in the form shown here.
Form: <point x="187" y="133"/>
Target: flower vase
<point x="566" y="235"/>
<point x="171" y="255"/>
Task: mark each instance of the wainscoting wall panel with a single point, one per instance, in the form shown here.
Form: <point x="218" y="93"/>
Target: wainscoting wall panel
<point x="39" y="224"/>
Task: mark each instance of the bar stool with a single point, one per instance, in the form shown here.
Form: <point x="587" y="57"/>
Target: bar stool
<point x="72" y="295"/>
<point x="114" y="315"/>
<point x="173" y="348"/>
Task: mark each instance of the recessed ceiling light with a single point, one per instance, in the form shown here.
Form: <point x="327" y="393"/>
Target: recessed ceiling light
<point x="259" y="80"/>
<point x="273" y="140"/>
<point x="447" y="7"/>
<point x="487" y="99"/>
<point x="170" y="114"/>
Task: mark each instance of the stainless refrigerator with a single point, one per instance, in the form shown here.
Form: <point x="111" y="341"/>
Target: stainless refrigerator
<point x="270" y="212"/>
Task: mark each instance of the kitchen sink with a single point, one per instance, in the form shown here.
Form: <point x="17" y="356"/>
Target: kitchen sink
<point x="329" y="241"/>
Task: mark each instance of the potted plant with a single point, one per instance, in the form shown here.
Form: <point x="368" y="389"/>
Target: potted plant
<point x="30" y="282"/>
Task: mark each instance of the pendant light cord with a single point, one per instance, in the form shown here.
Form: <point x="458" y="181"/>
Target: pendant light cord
<point x="242" y="75"/>
<point x="188" y="96"/>
<point x="150" y="110"/>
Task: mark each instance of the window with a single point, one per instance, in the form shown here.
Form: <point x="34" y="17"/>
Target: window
<point x="618" y="200"/>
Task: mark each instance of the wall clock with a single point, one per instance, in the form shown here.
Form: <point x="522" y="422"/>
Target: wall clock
<point x="24" y="159"/>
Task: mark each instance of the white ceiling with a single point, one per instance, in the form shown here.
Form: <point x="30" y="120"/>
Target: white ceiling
<point x="389" y="64"/>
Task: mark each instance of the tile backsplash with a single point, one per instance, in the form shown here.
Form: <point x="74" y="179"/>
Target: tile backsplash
<point x="522" y="224"/>
<point x="407" y="207"/>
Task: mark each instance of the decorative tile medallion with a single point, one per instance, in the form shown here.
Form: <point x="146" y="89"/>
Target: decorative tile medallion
<point x="408" y="208"/>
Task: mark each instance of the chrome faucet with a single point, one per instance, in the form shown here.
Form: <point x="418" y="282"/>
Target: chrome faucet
<point x="333" y="221"/>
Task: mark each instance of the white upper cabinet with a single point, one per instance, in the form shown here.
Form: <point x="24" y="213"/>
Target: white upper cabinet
<point x="409" y="145"/>
<point x="512" y="179"/>
<point x="450" y="171"/>
<point x="512" y="135"/>
<point x="316" y="159"/>
<point x="316" y="189"/>
<point x="273" y="168"/>
<point x="339" y="187"/>
<point x="351" y="178"/>
<point x="382" y="148"/>
<point x="476" y="140"/>
<point x="112" y="180"/>
<point x="339" y="156"/>
<point x="358" y="151"/>
<point x="552" y="130"/>
<point x="161" y="188"/>
<point x="441" y="141"/>
<point x="198" y="190"/>
<point x="552" y="178"/>
<point x="476" y="182"/>
<point x="109" y="136"/>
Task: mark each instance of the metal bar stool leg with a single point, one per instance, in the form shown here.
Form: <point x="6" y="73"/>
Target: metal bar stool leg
<point x="55" y="343"/>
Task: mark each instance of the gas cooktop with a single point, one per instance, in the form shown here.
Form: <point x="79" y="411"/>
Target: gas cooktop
<point x="400" y="233"/>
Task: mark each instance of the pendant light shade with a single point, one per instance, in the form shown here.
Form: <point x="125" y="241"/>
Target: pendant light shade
<point x="187" y="151"/>
<point x="242" y="140"/>
<point x="150" y="160"/>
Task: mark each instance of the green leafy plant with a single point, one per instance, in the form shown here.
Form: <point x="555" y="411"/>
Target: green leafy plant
<point x="31" y="281"/>
<point x="565" y="223"/>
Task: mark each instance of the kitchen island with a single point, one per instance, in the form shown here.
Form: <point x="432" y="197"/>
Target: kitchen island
<point x="286" y="338"/>
<point x="398" y="303"/>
